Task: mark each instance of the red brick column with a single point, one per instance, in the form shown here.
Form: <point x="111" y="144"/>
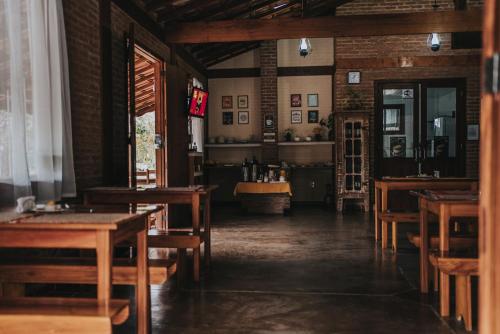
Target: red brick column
<point x="269" y="96"/>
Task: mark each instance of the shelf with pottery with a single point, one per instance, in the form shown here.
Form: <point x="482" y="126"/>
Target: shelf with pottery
<point x="305" y="143"/>
<point x="233" y="145"/>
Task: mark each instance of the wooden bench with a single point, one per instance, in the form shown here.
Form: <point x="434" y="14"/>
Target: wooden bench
<point x="462" y="266"/>
<point x="455" y="242"/>
<point x="182" y="239"/>
<point x="78" y="271"/>
<point x="396" y="218"/>
<point x="60" y="315"/>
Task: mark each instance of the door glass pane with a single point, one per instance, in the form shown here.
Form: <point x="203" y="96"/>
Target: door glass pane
<point x="348" y="165"/>
<point x="348" y="182"/>
<point x="397" y="123"/>
<point x="441" y="122"/>
<point x="348" y="147"/>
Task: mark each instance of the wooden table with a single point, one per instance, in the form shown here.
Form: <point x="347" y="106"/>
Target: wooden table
<point x="264" y="197"/>
<point x="97" y="231"/>
<point x="193" y="195"/>
<point x="385" y="185"/>
<point x="445" y="208"/>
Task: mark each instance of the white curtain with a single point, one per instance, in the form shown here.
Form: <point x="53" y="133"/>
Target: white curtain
<point x="36" y="155"/>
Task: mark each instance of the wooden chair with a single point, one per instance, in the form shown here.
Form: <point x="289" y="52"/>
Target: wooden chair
<point x="396" y="218"/>
<point x="462" y="266"/>
<point x="60" y="315"/>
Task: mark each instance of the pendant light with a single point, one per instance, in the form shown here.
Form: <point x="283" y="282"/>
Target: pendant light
<point x="433" y="41"/>
<point x="304" y="43"/>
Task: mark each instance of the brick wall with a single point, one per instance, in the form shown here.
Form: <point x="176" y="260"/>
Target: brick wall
<point x="379" y="47"/>
<point x="82" y="34"/>
<point x="83" y="38"/>
<point x="269" y="95"/>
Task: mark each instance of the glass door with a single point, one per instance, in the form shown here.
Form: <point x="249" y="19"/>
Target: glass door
<point x="421" y="128"/>
<point x="444" y="133"/>
<point x="398" y="129"/>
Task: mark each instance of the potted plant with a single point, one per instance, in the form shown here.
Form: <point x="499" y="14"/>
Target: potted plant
<point x="318" y="133"/>
<point x="328" y="123"/>
<point x="288" y="134"/>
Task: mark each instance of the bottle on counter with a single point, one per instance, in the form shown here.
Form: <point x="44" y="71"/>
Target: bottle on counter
<point x="245" y="171"/>
<point x="254" y="169"/>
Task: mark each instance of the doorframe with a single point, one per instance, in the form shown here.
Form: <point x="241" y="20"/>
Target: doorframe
<point x="460" y="83"/>
<point x="161" y="111"/>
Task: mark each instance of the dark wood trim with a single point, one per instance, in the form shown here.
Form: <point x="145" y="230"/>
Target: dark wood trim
<point x="327" y="26"/>
<point x="234" y="73"/>
<point x="305" y="71"/>
<point x="106" y="90"/>
<point x="402" y="62"/>
<point x="282" y="72"/>
<point x="136" y="13"/>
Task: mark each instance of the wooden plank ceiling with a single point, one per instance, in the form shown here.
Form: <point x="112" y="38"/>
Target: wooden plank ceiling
<point x="170" y="12"/>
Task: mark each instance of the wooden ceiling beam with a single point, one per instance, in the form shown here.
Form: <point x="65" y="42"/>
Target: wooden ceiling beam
<point x="335" y="26"/>
<point x="231" y="55"/>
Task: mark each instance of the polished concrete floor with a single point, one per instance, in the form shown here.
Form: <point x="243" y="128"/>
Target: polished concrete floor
<point x="313" y="271"/>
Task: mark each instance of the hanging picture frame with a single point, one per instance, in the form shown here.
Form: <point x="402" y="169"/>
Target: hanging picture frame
<point x="227" y="102"/>
<point x="313" y="116"/>
<point x="295" y="100"/>
<point x="243" y="101"/>
<point x="312" y="100"/>
<point x="243" y="117"/>
<point x="227" y="118"/>
<point x="296" y="117"/>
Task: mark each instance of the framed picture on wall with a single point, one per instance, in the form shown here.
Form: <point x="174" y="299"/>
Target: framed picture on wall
<point x="227" y="102"/>
<point x="312" y="116"/>
<point x="269" y="121"/>
<point x="398" y="147"/>
<point x="295" y="100"/>
<point x="312" y="100"/>
<point x="296" y="117"/>
<point x="243" y="117"/>
<point x="243" y="101"/>
<point x="227" y="118"/>
<point x="393" y="119"/>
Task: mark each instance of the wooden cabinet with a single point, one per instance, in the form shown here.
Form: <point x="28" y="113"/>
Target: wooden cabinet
<point x="352" y="132"/>
<point x="195" y="168"/>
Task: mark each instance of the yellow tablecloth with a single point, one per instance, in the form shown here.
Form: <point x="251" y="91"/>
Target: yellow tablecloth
<point x="262" y="188"/>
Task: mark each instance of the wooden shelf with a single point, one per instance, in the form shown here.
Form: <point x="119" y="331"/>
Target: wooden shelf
<point x="233" y="145"/>
<point x="195" y="154"/>
<point x="305" y="143"/>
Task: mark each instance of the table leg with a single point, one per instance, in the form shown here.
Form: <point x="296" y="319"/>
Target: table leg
<point x="424" y="248"/>
<point x="196" y="231"/>
<point x="463" y="300"/>
<point x="444" y="245"/>
<point x="376" y="213"/>
<point x="208" y="236"/>
<point x="142" y="293"/>
<point x="384" y="223"/>
<point x="104" y="251"/>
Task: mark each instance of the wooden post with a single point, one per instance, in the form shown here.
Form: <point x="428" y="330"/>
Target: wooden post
<point x="489" y="207"/>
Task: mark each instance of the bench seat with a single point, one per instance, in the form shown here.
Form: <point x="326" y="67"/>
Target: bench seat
<point x="396" y="217"/>
<point x="79" y="270"/>
<point x="455" y="242"/>
<point x="60" y="315"/>
<point x="462" y="265"/>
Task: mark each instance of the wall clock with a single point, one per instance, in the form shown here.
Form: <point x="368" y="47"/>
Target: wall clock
<point x="354" y="77"/>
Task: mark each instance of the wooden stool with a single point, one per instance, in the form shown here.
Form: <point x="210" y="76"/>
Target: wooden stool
<point x="462" y="268"/>
<point x="396" y="218"/>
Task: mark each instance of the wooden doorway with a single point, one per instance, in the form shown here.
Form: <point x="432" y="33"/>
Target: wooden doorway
<point x="489" y="206"/>
<point x="420" y="127"/>
<point x="147" y="117"/>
